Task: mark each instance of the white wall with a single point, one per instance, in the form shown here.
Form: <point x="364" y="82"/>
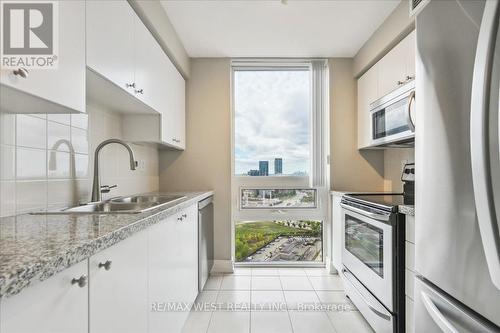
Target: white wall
<point x="351" y="169"/>
<point x="206" y="162"/>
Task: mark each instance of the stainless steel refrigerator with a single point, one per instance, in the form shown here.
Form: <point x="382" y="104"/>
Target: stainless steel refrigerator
<point x="458" y="167"/>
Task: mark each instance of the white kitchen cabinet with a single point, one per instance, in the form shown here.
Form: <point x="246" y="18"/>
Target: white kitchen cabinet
<point x="173" y="118"/>
<point x="395" y="69"/>
<point x="397" y="66"/>
<point x="392" y="69"/>
<point x="337" y="232"/>
<point x="130" y="73"/>
<point x="173" y="278"/>
<point x="118" y="287"/>
<point x="59" y="90"/>
<point x="367" y="93"/>
<point x="55" y="305"/>
<point x="411" y="47"/>
<point x="110" y="41"/>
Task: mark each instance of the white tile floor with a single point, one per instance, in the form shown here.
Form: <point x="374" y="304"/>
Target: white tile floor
<point x="261" y="300"/>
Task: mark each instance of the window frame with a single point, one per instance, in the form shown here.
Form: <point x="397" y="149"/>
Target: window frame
<point x="239" y="182"/>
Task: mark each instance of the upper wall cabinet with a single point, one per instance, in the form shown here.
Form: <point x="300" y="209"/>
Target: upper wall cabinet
<point x="130" y="73"/>
<point x="395" y="69"/>
<point x="58" y="90"/>
<point x="110" y="41"/>
<point x="398" y="66"/>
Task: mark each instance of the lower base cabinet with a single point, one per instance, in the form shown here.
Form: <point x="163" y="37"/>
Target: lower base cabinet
<point x="118" y="287"/>
<point x="55" y="305"/>
<point x="144" y="283"/>
<point x="173" y="270"/>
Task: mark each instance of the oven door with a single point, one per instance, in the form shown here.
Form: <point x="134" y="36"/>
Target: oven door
<point x="367" y="251"/>
<point x="392" y="120"/>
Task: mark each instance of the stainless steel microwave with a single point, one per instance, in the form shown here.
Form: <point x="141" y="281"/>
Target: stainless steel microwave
<point x="392" y="118"/>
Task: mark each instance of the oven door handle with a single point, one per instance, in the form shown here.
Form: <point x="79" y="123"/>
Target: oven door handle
<point x="370" y="305"/>
<point x="374" y="216"/>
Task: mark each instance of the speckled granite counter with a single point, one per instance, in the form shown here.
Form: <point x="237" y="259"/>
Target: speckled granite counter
<point x="35" y="247"/>
<point x="407" y="209"/>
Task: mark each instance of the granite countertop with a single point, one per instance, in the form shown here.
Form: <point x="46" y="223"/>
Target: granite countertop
<point x="407" y="209"/>
<point x="35" y="247"/>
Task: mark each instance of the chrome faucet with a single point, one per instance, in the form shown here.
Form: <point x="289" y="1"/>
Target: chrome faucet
<point x="96" y="185"/>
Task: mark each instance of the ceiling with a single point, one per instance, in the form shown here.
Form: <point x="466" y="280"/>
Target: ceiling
<point x="269" y="28"/>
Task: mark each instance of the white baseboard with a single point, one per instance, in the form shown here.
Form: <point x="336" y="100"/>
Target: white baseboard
<point x="223" y="266"/>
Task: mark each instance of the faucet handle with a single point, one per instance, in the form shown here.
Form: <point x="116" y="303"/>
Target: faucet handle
<point x="107" y="188"/>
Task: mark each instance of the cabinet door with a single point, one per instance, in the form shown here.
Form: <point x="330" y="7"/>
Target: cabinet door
<point x="411" y="55"/>
<point x="173" y="118"/>
<point x="118" y="292"/>
<point x="173" y="267"/>
<point x="367" y="93"/>
<point x="110" y="41"/>
<point x="150" y="69"/>
<point x="392" y="69"/>
<point x="64" y="85"/>
<point x="51" y="306"/>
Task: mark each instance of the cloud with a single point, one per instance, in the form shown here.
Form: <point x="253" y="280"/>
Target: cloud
<point x="272" y="119"/>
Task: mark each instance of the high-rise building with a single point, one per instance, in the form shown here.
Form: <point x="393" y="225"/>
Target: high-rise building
<point x="253" y="172"/>
<point x="278" y="166"/>
<point x="263" y="168"/>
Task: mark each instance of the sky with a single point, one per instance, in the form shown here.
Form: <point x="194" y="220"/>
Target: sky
<point x="272" y="120"/>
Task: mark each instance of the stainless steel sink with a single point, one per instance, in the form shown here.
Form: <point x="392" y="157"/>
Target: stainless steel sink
<point x="158" y="199"/>
<point x="122" y="205"/>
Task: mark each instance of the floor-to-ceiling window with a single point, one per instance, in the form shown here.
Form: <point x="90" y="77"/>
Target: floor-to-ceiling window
<point x="278" y="146"/>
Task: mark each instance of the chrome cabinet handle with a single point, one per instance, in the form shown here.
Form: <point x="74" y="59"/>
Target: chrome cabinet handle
<point x="184" y="215"/>
<point x="81" y="281"/>
<point x="106" y="265"/>
<point x="176" y="140"/>
<point x="130" y="85"/>
<point x="180" y="218"/>
<point x="22" y="72"/>
<point x="409" y="78"/>
<point x="140" y="91"/>
<point x="411" y="123"/>
<point x="400" y="83"/>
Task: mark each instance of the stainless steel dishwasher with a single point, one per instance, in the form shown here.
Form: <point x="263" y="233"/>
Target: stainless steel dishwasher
<point x="205" y="240"/>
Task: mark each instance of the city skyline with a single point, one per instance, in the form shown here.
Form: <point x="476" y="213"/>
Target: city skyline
<point x="263" y="168"/>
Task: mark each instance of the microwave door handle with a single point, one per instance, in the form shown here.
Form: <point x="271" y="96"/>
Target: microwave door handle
<point x="479" y="140"/>
<point x="437" y="315"/>
<point x="374" y="216"/>
<point x="411" y="99"/>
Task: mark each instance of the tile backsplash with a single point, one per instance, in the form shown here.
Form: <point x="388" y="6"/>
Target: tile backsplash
<point x="45" y="160"/>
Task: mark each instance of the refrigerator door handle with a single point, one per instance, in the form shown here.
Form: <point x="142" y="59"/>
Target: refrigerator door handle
<point x="479" y="140"/>
<point x="437" y="315"/>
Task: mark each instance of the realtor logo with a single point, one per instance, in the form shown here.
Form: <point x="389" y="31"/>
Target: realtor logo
<point x="29" y="34"/>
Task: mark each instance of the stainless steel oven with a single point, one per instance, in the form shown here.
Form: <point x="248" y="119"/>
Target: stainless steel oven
<point x="392" y="118"/>
<point x="373" y="257"/>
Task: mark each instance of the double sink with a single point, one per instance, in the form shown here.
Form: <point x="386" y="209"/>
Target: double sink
<point x="121" y="205"/>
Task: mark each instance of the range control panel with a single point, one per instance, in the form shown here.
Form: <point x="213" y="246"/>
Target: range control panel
<point x="408" y="174"/>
